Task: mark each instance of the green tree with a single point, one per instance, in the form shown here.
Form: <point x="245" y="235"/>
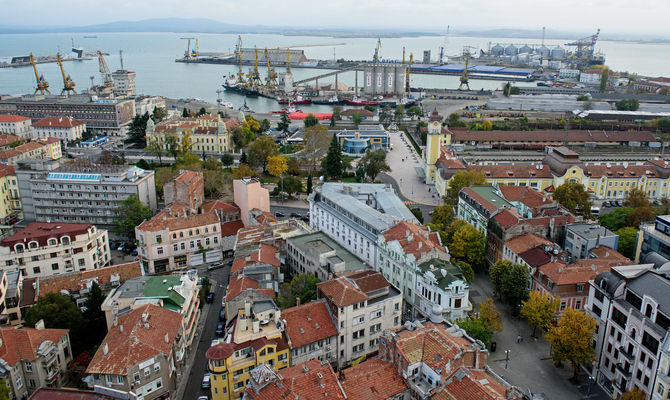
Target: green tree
<point x="211" y="163"/>
<point x="159" y="114"/>
<point x="332" y="120"/>
<point x="454" y="120"/>
<point x="636" y="198"/>
<point x="130" y="213"/>
<point x="265" y="125"/>
<point x="627" y="241"/>
<point x="497" y="272"/>
<point x="466" y="270"/>
<point x="441" y="218"/>
<point x="185" y="113"/>
<point x="490" y="316"/>
<point x="173" y="146"/>
<point x="570" y="339"/>
<point x="301" y="286"/>
<point x="239" y="138"/>
<point x="414" y="111"/>
<point x="243" y="158"/>
<point x="357" y="118"/>
<point x="201" y="112"/>
<point x="386" y="115"/>
<point x="627" y="105"/>
<point x="539" y="309"/>
<point x="5" y="390"/>
<point x="508" y="89"/>
<point x="292" y="185"/>
<point x="461" y="180"/>
<point x="604" y="78"/>
<point x="309" y="184"/>
<point x="639" y="215"/>
<point x="315" y="145"/>
<point x="60" y="312"/>
<point x="137" y="130"/>
<point x="284" y="123"/>
<point x="227" y="159"/>
<point x="583" y="97"/>
<point x="514" y="285"/>
<point x="417" y="213"/>
<point x="372" y="163"/>
<point x="475" y="328"/>
<point x="243" y="171"/>
<point x="454" y="227"/>
<point x="574" y="197"/>
<point x="467" y="244"/>
<point x="615" y="219"/>
<point x="94" y="316"/>
<point x="399" y="112"/>
<point x="311" y="120"/>
<point x="332" y="164"/>
<point x="156" y="148"/>
<point x="260" y="150"/>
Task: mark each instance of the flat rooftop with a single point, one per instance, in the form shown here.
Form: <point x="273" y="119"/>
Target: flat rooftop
<point x="590" y="231"/>
<point x="320" y="243"/>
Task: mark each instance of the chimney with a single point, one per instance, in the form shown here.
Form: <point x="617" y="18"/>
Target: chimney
<point x="105" y="349"/>
<point x="420" y="244"/>
<point x="116" y="321"/>
<point x="297" y="301"/>
<point x="120" y="327"/>
<point x="167" y="338"/>
<point x="319" y="379"/>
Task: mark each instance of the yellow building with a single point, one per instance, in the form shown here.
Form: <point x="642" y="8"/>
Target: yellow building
<point x="605" y="181"/>
<point x="10" y="202"/>
<point x="256" y="339"/>
<point x="206" y="133"/>
<point x="436" y="137"/>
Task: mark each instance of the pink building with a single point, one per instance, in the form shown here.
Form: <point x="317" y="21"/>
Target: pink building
<point x="249" y="195"/>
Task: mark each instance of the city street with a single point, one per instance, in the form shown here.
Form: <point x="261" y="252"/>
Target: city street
<point x="196" y="363"/>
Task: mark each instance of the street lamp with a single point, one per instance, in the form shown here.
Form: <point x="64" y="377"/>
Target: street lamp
<point x="507" y="357"/>
<point x="591" y="379"/>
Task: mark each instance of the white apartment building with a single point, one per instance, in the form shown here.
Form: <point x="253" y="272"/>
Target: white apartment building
<point x="400" y="250"/>
<point x="441" y="290"/>
<point x="16" y="125"/>
<point x="62" y="128"/>
<point x="355" y="214"/>
<point x="364" y="304"/>
<point x="632" y="311"/>
<point x="174" y="238"/>
<point x="43" y="249"/>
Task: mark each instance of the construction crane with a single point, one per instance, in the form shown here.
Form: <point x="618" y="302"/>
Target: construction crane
<point x="409" y="70"/>
<point x="68" y="83"/>
<point x="464" y="79"/>
<point x="375" y="58"/>
<point x="105" y="74"/>
<point x="271" y="81"/>
<point x="42" y="84"/>
<point x="443" y="49"/>
<point x="585" y="47"/>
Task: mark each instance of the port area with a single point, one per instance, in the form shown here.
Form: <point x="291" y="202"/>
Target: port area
<point x="24" y="61"/>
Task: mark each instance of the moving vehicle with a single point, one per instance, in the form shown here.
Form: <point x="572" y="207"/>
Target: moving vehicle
<point x="215" y="265"/>
<point x="222" y="315"/>
<point x="205" y="382"/>
<point x="210" y="297"/>
<point x="219" y="329"/>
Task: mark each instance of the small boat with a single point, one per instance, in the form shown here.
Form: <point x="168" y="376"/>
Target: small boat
<point x="245" y="108"/>
<point x="296" y="100"/>
<point x="333" y="101"/>
<point x="356" y="102"/>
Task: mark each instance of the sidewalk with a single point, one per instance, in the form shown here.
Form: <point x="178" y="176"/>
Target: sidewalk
<point x="530" y="366"/>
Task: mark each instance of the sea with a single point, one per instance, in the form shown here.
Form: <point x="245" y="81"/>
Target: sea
<point x="152" y="56"/>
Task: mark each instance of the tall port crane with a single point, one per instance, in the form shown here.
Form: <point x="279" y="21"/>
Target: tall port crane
<point x="68" y="83"/>
<point x="254" y="78"/>
<point x="464" y="78"/>
<point x="104" y="71"/>
<point x="375" y="58"/>
<point x="585" y="47"/>
<point x="238" y="54"/>
<point x="443" y="48"/>
<point x="409" y="70"/>
<point x="194" y="52"/>
<point x="271" y="81"/>
<point x="187" y="53"/>
<point x="42" y="84"/>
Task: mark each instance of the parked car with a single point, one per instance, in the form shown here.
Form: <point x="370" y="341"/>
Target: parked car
<point x="210" y="297"/>
<point x="304" y="219"/>
<point x="295" y="215"/>
<point x="215" y="265"/>
<point x="219" y="329"/>
<point x="203" y="397"/>
<point x="606" y="204"/>
<point x="618" y="203"/>
<point x="121" y="247"/>
<point x="134" y="252"/>
<point x="279" y="215"/>
<point x="205" y="382"/>
<point x="222" y="315"/>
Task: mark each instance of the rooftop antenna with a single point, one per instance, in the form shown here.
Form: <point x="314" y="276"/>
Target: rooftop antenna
<point x="121" y="57"/>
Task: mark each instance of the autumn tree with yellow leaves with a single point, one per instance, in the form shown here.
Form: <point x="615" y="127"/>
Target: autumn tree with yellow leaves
<point x="539" y="309"/>
<point x="570" y="339"/>
<point x="277" y="165"/>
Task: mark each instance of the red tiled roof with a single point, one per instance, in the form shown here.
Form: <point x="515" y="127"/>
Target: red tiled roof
<point x="21" y="343"/>
<point x="472" y="384"/>
<point x="76" y="281"/>
<point x="373" y="379"/>
<point x="220" y="352"/>
<point x="7" y="139"/>
<point x="47" y="393"/>
<point x="231" y="228"/>
<point x="27" y="147"/>
<point x="535" y="257"/>
<point x="42" y="231"/>
<point x="12" y="118"/>
<point x="7" y="154"/>
<point x="58" y="122"/>
<point x="511" y="171"/>
<point x="48" y="140"/>
<point x="308" y="323"/>
<point x="507" y="217"/>
<point x="431" y="344"/>
<point x="620" y="171"/>
<point x="526" y="195"/>
<point x="341" y="292"/>
<point x="28" y="292"/>
<point x="187" y="176"/>
<point x="549" y="136"/>
<point x="307" y="381"/>
<point x="350" y="112"/>
<point x="165" y="221"/>
<point x="414" y="239"/>
<point x="130" y="342"/>
<point x="6" y="170"/>
<point x="606" y="253"/>
<point x="265" y="254"/>
<point x="238" y="284"/>
<point x="525" y="242"/>
<point x="216" y="205"/>
<point x="581" y="272"/>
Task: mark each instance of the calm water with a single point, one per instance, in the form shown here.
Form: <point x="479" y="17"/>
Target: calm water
<point x="152" y="56"/>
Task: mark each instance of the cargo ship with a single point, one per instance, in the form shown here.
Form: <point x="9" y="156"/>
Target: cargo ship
<point x="232" y="85"/>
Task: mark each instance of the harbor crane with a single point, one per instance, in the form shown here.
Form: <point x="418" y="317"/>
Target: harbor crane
<point x="68" y="83"/>
<point x="443" y="48"/>
<point x="271" y="81"/>
<point x="254" y="78"/>
<point x="104" y="71"/>
<point x="375" y="58"/>
<point x="187" y="54"/>
<point x="464" y="79"/>
<point x="409" y="70"/>
<point x="585" y="47"/>
<point x="42" y="84"/>
<point x="195" y="53"/>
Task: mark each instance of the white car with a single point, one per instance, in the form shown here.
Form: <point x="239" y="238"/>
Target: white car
<point x="205" y="382"/>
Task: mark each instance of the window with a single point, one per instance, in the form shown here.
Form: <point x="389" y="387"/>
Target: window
<point x="119" y="379"/>
<point x="660" y="389"/>
<point x="136" y="377"/>
<point x="36" y="270"/>
<point x="109" y="379"/>
<point x="29" y="366"/>
<point x="359" y="320"/>
<point x="159" y="250"/>
<point x="578" y="305"/>
<point x="580" y="288"/>
<point x="358" y="334"/>
<point x="157" y="368"/>
<point x="397" y="306"/>
<point x="31" y="383"/>
<point x="376" y="314"/>
<point x="19" y="382"/>
<point x="147" y="371"/>
<point x="650" y="343"/>
<point x="81" y="262"/>
<point x="562" y="305"/>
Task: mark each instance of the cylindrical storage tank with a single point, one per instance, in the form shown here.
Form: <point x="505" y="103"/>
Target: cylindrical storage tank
<point x="525" y="49"/>
<point x="497" y="50"/>
<point x="544" y="51"/>
<point x="511" y="50"/>
<point x="558" y="52"/>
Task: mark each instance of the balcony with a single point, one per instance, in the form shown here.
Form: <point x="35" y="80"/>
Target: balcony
<point x="622" y="370"/>
<point x="624" y="352"/>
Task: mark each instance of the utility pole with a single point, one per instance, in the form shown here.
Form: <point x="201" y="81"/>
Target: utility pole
<point x="507" y="357"/>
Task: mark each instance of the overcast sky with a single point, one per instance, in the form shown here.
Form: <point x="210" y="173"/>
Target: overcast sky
<point x="612" y="16"/>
